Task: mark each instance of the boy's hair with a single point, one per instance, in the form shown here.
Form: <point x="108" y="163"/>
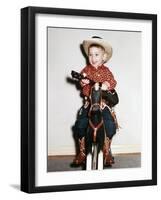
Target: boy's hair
<point x="96" y="45"/>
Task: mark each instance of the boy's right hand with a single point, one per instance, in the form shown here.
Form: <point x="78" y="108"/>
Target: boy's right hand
<point x="85" y="81"/>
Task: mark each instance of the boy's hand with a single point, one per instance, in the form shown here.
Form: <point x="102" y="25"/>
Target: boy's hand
<point x="85" y="81"/>
<point x="105" y="85"/>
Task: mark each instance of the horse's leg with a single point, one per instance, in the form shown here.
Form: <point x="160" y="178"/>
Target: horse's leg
<point x="89" y="162"/>
<point x="94" y="156"/>
<point x="100" y="160"/>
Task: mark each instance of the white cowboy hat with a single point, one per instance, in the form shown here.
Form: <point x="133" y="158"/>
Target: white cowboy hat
<point x="99" y="41"/>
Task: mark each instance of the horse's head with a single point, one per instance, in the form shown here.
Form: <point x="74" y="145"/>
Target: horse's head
<point x="95" y="112"/>
<point x="95" y="101"/>
<point x="95" y="97"/>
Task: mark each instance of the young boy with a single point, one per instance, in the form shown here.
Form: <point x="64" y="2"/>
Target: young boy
<point x="98" y="52"/>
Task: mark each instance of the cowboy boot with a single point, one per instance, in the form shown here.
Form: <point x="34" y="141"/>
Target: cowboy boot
<point x="108" y="159"/>
<point x="111" y="153"/>
<point x="81" y="157"/>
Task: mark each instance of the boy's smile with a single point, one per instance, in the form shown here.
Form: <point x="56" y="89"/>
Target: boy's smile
<point x="96" y="56"/>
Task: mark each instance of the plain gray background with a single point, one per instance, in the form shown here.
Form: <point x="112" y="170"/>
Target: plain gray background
<point x="64" y="55"/>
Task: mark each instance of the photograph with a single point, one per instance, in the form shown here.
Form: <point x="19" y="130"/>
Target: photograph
<point x="88" y="99"/>
<point x="113" y="59"/>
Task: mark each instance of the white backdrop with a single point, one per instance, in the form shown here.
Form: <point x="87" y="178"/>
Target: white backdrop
<point x="10" y="99"/>
<point x="64" y="55"/>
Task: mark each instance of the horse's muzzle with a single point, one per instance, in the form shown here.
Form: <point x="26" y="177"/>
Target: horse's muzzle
<point x="95" y="107"/>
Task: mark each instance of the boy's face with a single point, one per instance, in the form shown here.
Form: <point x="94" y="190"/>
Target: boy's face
<point x="96" y="56"/>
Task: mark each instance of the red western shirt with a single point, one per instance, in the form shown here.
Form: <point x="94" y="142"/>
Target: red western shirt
<point x="101" y="74"/>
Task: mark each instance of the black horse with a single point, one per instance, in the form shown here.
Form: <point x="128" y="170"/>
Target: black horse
<point x="96" y="133"/>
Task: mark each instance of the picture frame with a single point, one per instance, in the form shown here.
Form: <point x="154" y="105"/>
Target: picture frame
<point x="35" y="22"/>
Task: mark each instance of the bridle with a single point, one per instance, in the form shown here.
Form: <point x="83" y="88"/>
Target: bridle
<point x="95" y="127"/>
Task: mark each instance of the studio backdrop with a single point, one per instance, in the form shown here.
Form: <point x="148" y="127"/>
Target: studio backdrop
<point x="65" y="54"/>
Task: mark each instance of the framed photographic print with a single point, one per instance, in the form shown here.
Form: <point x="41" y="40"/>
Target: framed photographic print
<point x="88" y="99"/>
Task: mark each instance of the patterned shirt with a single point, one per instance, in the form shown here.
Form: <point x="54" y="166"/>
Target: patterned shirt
<point x="101" y="74"/>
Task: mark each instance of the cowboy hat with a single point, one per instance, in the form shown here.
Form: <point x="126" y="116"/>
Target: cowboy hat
<point x="98" y="41"/>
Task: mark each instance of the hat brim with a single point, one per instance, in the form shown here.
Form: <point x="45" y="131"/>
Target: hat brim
<point x="107" y="47"/>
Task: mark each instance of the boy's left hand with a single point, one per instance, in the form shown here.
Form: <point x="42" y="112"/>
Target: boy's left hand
<point x="105" y="85"/>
